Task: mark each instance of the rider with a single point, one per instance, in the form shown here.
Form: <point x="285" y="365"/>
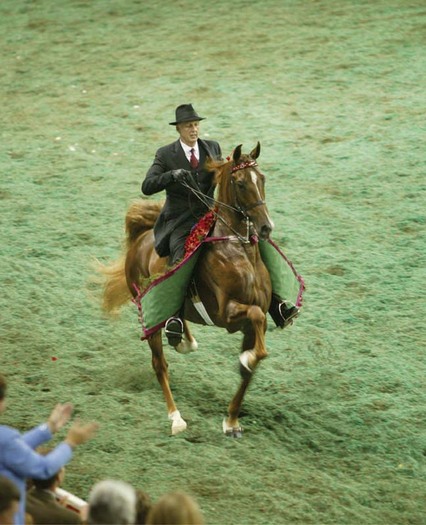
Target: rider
<point x="184" y="160"/>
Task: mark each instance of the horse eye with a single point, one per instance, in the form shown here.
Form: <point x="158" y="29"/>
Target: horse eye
<point x="240" y="184"/>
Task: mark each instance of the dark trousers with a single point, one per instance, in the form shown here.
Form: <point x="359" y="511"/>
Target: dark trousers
<point x="177" y="241"/>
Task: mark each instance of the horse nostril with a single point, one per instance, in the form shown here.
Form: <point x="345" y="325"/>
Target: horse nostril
<point x="265" y="231"/>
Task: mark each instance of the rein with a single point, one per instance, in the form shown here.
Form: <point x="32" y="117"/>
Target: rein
<point x="208" y="201"/>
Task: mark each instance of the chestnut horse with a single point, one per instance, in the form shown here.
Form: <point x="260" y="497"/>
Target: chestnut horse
<point x="230" y="276"/>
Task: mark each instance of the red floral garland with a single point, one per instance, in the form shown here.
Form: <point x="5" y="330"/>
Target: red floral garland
<point x="200" y="231"/>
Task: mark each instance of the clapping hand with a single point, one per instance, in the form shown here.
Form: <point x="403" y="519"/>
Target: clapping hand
<point x="60" y="416"/>
<point x="79" y="433"/>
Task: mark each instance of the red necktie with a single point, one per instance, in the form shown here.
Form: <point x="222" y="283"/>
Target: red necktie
<point x="193" y="159"/>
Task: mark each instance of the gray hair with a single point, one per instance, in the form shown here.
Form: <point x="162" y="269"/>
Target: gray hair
<point x="112" y="502"/>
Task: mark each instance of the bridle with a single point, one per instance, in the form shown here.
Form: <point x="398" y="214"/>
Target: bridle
<point x="238" y="209"/>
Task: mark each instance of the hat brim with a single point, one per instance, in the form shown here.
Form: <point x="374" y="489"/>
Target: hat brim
<point x="188" y="119"/>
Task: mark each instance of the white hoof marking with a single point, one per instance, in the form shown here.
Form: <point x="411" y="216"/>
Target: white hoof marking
<point x="186" y="347"/>
<point x="178" y="424"/>
<point x="231" y="431"/>
<point x="247" y="358"/>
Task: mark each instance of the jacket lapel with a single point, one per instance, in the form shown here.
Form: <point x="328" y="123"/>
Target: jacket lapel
<point x="179" y="155"/>
<point x="206" y="147"/>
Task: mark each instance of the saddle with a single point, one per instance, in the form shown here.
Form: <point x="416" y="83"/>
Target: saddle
<point x="164" y="296"/>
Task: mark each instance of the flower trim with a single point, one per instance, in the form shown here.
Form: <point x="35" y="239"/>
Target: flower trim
<point x="200" y="231"/>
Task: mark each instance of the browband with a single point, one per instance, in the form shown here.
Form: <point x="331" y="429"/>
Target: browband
<point x="244" y="165"/>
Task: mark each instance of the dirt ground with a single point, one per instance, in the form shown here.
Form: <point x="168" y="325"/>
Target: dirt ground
<point x="334" y="91"/>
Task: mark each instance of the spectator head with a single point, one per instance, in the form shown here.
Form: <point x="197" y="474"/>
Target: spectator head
<point x="3" y="388"/>
<point x="51" y="483"/>
<point x="9" y="501"/>
<point x="175" y="508"/>
<point x="112" y="502"/>
<point x="143" y="506"/>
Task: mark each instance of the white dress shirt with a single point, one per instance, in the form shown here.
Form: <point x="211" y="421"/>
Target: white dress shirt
<point x="187" y="149"/>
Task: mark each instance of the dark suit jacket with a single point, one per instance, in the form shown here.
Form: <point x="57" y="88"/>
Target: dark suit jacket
<point x="182" y="208"/>
<point x="44" y="509"/>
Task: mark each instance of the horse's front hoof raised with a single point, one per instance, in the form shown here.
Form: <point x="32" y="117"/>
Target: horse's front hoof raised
<point x="232" y="432"/>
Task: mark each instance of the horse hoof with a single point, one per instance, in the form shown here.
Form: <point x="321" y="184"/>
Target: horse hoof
<point x="235" y="433"/>
<point x="179" y="427"/>
<point x="232" y="432"/>
<point x="178" y="423"/>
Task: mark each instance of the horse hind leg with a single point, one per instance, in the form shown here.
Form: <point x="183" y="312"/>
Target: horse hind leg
<point x="160" y="366"/>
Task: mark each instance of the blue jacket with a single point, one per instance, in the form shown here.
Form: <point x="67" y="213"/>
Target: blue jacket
<point x="19" y="461"/>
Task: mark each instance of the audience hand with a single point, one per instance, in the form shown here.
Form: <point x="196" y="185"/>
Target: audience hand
<point x="60" y="416"/>
<point x="79" y="433"/>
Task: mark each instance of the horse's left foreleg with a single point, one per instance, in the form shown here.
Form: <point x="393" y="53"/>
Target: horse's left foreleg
<point x="160" y="367"/>
<point x="254" y="351"/>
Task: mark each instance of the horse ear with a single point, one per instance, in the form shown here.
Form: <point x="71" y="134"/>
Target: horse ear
<point x="236" y="154"/>
<point x="256" y="151"/>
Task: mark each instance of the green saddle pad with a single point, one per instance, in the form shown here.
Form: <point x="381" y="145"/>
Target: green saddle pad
<point x="164" y="296"/>
<point x="286" y="282"/>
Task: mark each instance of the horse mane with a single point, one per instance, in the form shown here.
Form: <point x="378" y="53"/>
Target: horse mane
<point x="222" y="175"/>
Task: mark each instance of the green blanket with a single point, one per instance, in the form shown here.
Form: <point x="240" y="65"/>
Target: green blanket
<point x="164" y="296"/>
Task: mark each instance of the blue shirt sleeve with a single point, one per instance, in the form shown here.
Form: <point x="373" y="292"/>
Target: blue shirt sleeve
<point x="19" y="458"/>
<point x="37" y="436"/>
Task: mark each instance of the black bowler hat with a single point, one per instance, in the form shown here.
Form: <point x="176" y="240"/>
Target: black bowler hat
<point x="185" y="113"/>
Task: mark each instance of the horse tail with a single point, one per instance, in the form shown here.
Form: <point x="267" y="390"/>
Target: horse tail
<point x="141" y="217"/>
<point x="115" y="290"/>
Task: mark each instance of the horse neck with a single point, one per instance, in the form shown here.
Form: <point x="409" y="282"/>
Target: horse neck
<point x="231" y="218"/>
<point x="232" y="225"/>
<point x="229" y="223"/>
<point x="235" y="240"/>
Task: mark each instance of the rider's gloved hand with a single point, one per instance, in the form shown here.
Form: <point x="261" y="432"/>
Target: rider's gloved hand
<point x="181" y="175"/>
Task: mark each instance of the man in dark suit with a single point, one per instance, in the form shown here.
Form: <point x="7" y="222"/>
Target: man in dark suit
<point x="184" y="161"/>
<point x="43" y="506"/>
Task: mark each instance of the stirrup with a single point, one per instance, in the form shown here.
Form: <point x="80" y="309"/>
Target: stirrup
<point x="287" y="313"/>
<point x="174" y="330"/>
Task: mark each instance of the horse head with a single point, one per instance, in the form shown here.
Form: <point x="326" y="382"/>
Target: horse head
<point x="247" y="190"/>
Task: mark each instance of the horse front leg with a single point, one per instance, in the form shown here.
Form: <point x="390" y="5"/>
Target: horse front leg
<point x="160" y="366"/>
<point x="254" y="350"/>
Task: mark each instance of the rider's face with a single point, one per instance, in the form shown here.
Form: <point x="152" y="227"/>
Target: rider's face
<point x="188" y="132"/>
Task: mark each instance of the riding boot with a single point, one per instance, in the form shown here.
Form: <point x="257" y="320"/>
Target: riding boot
<point x="283" y="313"/>
<point x="174" y="330"/>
